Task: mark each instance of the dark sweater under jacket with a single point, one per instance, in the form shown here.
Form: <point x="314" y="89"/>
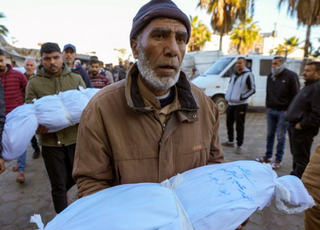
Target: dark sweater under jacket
<point x="282" y="89"/>
<point x="305" y="107"/>
<point x="2" y="115"/>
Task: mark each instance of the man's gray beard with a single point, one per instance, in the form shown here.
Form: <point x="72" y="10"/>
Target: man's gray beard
<point x="150" y="76"/>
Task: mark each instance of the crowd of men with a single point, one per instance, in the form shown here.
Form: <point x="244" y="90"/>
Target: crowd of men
<point x="154" y="123"/>
<point x="288" y="109"/>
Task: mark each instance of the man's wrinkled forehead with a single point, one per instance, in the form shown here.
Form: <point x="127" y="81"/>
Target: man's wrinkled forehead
<point x="166" y="26"/>
<point x="30" y="62"/>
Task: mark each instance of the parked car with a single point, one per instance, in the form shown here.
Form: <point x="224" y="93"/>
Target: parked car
<point x="215" y="80"/>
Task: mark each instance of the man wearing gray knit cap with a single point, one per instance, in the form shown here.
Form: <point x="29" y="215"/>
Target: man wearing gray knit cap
<point x="155" y="123"/>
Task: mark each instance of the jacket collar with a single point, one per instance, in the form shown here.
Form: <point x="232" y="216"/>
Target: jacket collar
<point x="311" y="82"/>
<point x="42" y="73"/>
<point x="245" y="70"/>
<point x="134" y="99"/>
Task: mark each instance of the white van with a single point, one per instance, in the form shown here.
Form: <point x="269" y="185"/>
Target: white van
<point x="215" y="80"/>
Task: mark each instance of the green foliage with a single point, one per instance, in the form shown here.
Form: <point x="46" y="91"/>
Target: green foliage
<point x="225" y="13"/>
<point x="307" y="13"/>
<point x="244" y="35"/>
<point x="200" y="34"/>
<point x="3" y="30"/>
<point x="289" y="45"/>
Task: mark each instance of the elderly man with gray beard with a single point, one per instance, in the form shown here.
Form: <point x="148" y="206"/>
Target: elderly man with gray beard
<point x="154" y="124"/>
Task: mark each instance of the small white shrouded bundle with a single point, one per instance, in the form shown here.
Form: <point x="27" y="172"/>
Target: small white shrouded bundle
<point x="51" y="113"/>
<point x="56" y="112"/>
<point x="20" y="126"/>
<point x="211" y="197"/>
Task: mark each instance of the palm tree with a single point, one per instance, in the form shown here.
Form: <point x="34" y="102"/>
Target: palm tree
<point x="244" y="35"/>
<point x="200" y="34"/>
<point x="225" y="13"/>
<point x="308" y="14"/>
<point x="3" y="30"/>
<point x="289" y="45"/>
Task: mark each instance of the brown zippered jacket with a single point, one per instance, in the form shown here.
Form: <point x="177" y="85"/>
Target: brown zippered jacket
<point x="311" y="176"/>
<point x="121" y="141"/>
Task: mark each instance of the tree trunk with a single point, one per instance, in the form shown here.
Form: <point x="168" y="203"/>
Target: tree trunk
<point x="307" y="44"/>
<point x="239" y="45"/>
<point x="306" y="48"/>
<point x="220" y="43"/>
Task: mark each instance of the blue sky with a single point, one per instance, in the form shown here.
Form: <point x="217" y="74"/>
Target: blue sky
<point x="102" y="25"/>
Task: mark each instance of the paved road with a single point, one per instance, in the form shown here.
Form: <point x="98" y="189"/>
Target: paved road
<point x="19" y="201"/>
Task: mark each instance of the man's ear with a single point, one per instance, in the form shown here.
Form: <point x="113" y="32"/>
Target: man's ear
<point x="134" y="48"/>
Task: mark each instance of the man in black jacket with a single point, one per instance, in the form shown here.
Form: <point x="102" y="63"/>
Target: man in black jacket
<point x="69" y="55"/>
<point x="282" y="86"/>
<point x="2" y="120"/>
<point x="304" y="118"/>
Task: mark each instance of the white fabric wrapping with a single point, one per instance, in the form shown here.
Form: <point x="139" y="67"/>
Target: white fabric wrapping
<point x="89" y="92"/>
<point x="20" y="126"/>
<point x="212" y="197"/>
<point x="36" y="218"/>
<point x="51" y="113"/>
<point x="290" y="190"/>
<point x="56" y="112"/>
<point x="74" y="101"/>
<point x="185" y="223"/>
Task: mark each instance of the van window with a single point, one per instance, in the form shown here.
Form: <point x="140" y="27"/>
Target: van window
<point x="230" y="71"/>
<point x="249" y="64"/>
<point x="265" y="67"/>
<point x="219" y="66"/>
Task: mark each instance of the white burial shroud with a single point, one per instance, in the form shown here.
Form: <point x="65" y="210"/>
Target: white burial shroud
<point x="56" y="112"/>
<point x="213" y="197"/>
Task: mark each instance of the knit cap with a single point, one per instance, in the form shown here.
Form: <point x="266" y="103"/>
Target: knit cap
<point x="157" y="9"/>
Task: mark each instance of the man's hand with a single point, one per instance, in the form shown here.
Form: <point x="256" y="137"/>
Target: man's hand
<point x="243" y="224"/>
<point x="2" y="166"/>
<point x="298" y="126"/>
<point x="42" y="130"/>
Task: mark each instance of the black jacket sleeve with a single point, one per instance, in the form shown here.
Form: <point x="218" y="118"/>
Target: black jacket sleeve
<point x="267" y="91"/>
<point x="294" y="86"/>
<point x="251" y="87"/>
<point x="313" y="120"/>
<point x="2" y="116"/>
<point x="84" y="76"/>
